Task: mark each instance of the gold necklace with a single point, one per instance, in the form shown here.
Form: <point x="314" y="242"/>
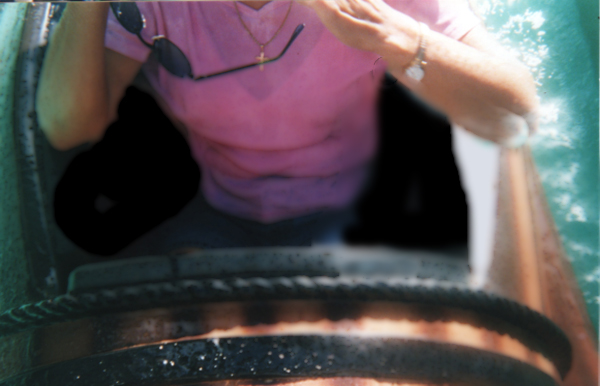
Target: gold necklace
<point x="261" y="58"/>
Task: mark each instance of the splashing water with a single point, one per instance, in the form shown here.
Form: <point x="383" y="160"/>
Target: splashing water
<point x="547" y="36"/>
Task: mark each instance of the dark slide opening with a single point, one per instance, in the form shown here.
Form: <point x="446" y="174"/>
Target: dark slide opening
<point x="142" y="173"/>
<point x="416" y="199"/>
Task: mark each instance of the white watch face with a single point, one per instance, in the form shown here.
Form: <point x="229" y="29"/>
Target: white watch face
<point x="416" y="72"/>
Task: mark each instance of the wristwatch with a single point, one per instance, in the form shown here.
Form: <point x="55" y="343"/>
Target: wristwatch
<point x="416" y="68"/>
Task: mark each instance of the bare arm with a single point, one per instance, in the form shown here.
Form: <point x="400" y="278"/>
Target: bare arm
<point x="477" y="84"/>
<point x="474" y="81"/>
<point x="81" y="82"/>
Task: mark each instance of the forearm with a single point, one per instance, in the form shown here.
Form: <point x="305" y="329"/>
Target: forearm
<point x="72" y="96"/>
<point x="480" y="88"/>
<point x="473" y="81"/>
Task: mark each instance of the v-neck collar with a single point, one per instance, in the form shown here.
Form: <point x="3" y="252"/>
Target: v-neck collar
<point x="269" y="7"/>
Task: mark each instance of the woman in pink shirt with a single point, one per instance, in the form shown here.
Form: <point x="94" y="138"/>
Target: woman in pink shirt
<point x="281" y="141"/>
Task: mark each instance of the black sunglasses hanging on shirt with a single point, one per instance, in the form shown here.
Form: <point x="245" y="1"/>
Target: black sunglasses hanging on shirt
<point x="167" y="53"/>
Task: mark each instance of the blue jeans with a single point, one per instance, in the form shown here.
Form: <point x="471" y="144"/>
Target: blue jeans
<point x="199" y="225"/>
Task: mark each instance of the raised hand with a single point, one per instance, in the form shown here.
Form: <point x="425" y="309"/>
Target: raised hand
<point x="472" y="80"/>
<point x="370" y="25"/>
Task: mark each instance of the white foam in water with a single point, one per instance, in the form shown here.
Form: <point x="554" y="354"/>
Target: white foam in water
<point x="594" y="276"/>
<point x="562" y="177"/>
<point x="576" y="213"/>
<point x="551" y="134"/>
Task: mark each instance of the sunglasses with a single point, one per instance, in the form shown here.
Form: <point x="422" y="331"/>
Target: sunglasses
<point x="167" y="53"/>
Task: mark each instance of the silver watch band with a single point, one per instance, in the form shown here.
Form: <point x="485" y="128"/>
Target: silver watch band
<point x="416" y="68"/>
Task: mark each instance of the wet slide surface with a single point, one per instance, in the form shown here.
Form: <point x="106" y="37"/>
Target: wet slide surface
<point x="547" y="36"/>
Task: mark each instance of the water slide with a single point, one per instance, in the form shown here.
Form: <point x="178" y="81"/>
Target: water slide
<point x="511" y="314"/>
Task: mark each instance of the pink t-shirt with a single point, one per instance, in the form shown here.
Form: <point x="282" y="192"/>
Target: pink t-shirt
<point x="292" y="139"/>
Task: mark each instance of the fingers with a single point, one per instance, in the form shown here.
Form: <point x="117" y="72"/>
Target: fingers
<point x="517" y="131"/>
<point x="532" y="120"/>
<point x="356" y="23"/>
<point x="326" y="10"/>
<point x="367" y="10"/>
<point x="318" y="5"/>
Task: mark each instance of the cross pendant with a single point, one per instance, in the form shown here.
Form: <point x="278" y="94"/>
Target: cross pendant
<point x="262" y="58"/>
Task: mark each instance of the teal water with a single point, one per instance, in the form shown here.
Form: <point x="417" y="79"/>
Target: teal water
<point x="558" y="40"/>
